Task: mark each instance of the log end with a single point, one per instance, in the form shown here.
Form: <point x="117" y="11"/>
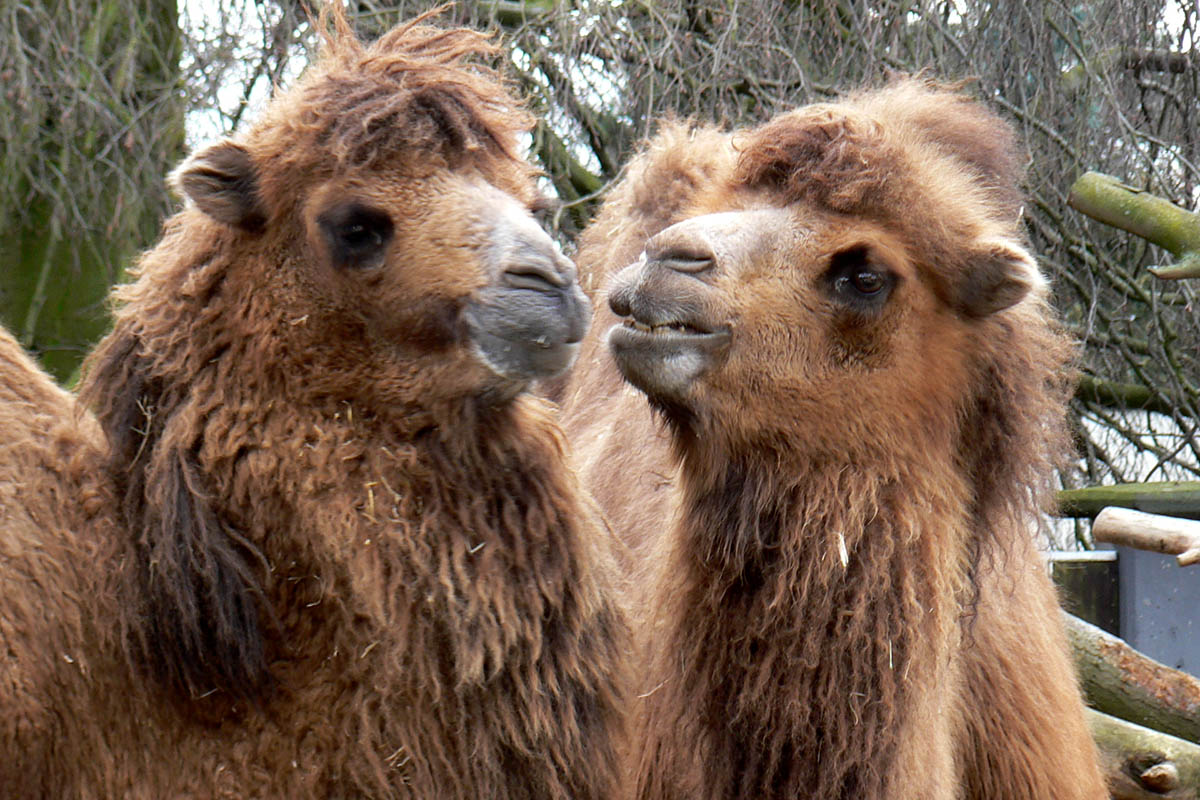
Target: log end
<point x="1160" y="778"/>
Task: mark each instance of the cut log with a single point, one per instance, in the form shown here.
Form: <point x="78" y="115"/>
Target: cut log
<point x="1170" y="535"/>
<point x="1144" y="764"/>
<point x="1120" y="681"/>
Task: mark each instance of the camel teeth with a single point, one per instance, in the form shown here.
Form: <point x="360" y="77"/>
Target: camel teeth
<point x="677" y="327"/>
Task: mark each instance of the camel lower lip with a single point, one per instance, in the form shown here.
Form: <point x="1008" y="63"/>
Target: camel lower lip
<point x="524" y="359"/>
<point x="664" y="360"/>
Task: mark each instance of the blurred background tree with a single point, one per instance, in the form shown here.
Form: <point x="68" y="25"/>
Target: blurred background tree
<point x="91" y="118"/>
<point x="94" y="101"/>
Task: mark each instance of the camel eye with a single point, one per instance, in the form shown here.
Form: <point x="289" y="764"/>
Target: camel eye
<point x="357" y="235"/>
<point x="360" y="236"/>
<point x="855" y="280"/>
<point x="866" y="282"/>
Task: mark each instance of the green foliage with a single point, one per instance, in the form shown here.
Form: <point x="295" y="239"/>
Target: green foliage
<point x="91" y="118"/>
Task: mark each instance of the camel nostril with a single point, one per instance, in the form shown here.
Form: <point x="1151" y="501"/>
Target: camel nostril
<point x="682" y="258"/>
<point x="619" y="302"/>
<point x="536" y="277"/>
<point x="681" y="263"/>
<point x="531" y="260"/>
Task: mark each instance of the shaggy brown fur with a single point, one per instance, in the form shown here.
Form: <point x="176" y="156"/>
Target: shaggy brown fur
<point x="863" y="391"/>
<point x="321" y="542"/>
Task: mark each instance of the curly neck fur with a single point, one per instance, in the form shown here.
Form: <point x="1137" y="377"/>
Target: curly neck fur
<point x="320" y="544"/>
<point x="803" y="597"/>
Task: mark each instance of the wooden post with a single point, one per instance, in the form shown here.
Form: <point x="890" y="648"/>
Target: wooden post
<point x="1175" y="498"/>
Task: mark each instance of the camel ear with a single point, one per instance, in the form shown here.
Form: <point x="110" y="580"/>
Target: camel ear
<point x="223" y="182"/>
<point x="199" y="579"/>
<point x="999" y="274"/>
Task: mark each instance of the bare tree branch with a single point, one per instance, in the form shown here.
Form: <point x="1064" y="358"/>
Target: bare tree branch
<point x="1174" y="498"/>
<point x="1106" y="199"/>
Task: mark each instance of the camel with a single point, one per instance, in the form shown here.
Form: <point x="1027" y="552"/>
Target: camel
<point x="821" y="403"/>
<point x="305" y="532"/>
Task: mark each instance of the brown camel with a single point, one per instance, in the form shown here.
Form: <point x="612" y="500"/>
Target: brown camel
<point x="861" y="392"/>
<point x="317" y="539"/>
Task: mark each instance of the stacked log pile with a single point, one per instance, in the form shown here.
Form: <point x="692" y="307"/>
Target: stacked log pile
<point x="1145" y="716"/>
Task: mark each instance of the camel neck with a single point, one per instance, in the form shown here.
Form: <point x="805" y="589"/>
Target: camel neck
<point x="804" y="599"/>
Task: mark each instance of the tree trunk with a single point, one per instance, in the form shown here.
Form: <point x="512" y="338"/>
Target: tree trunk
<point x="92" y="120"/>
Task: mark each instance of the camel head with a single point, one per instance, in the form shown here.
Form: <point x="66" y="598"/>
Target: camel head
<point x="382" y="210"/>
<point x="826" y="291"/>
